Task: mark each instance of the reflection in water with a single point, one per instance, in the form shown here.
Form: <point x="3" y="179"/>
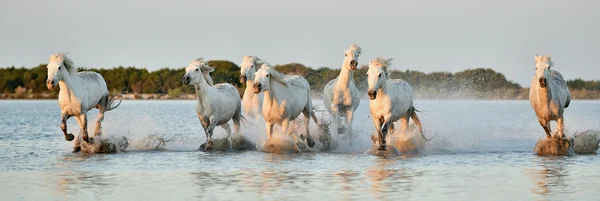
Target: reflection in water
<point x="549" y="179"/>
<point x="386" y="179"/>
<point x="71" y="184"/>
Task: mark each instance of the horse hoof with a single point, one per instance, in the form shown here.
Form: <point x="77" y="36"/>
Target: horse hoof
<point x="90" y="140"/>
<point x="76" y="149"/>
<point x="382" y="148"/>
<point x="208" y="149"/>
<point x="311" y="142"/>
<point x="69" y="137"/>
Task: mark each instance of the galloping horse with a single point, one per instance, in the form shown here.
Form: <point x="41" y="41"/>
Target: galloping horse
<point x="391" y="100"/>
<point x="341" y="97"/>
<point x="216" y="104"/>
<point x="285" y="97"/>
<point x="549" y="95"/>
<point x="251" y="102"/>
<point x="79" y="93"/>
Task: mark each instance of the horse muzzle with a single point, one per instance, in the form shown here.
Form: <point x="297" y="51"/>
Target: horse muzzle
<point x="372" y="94"/>
<point x="243" y="79"/>
<point x="50" y="84"/>
<point x="543" y="82"/>
<point x="257" y="88"/>
<point x="353" y="64"/>
<point x="185" y="80"/>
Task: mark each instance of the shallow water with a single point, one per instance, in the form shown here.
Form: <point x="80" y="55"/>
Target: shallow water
<point x="482" y="151"/>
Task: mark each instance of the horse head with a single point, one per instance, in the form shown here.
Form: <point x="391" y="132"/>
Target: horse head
<point x="351" y="57"/>
<point x="197" y="72"/>
<point x="58" y="67"/>
<point x="377" y="75"/>
<point x="249" y="66"/>
<point x="542" y="69"/>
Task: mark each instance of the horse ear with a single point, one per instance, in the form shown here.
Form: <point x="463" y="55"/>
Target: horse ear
<point x="548" y="56"/>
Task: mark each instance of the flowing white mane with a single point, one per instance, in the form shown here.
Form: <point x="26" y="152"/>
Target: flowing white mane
<point x="355" y="48"/>
<point x="277" y="76"/>
<point x="206" y="69"/>
<point x="383" y="63"/>
<point x="62" y="58"/>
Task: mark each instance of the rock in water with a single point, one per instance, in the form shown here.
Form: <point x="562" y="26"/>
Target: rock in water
<point x="218" y="145"/>
<point x="103" y="145"/>
<point x="238" y="142"/>
<point x="554" y="146"/>
<point x="283" y="146"/>
<point x="586" y="142"/>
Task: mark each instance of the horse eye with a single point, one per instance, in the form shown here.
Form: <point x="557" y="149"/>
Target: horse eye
<point x="267" y="75"/>
<point x="196" y="69"/>
<point x="345" y="54"/>
<point x="357" y="56"/>
<point x="252" y="66"/>
<point x="59" y="68"/>
<point x="379" y="74"/>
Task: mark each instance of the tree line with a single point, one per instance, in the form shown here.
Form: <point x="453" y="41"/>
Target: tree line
<point x="478" y="81"/>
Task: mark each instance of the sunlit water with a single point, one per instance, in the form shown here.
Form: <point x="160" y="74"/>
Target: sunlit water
<point x="482" y="151"/>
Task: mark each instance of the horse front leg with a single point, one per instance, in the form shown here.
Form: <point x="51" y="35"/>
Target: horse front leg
<point x="349" y="118"/>
<point x="63" y="127"/>
<point x="560" y="126"/>
<point x="385" y="125"/>
<point x="546" y="126"/>
<point x="378" y="122"/>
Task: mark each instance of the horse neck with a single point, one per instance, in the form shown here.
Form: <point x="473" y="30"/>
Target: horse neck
<point x="249" y="92"/>
<point x="344" y="77"/>
<point x="384" y="88"/>
<point x="276" y="92"/>
<point x="201" y="90"/>
<point x="68" y="83"/>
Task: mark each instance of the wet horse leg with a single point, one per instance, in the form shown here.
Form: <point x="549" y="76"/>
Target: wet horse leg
<point x="102" y="107"/>
<point x="63" y="127"/>
<point x="560" y="126"/>
<point x="546" y="126"/>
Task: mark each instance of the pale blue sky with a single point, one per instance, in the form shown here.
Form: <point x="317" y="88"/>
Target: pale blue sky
<point x="434" y="35"/>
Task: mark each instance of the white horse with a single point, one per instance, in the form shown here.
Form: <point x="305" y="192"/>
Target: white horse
<point x="217" y="104"/>
<point x="341" y="97"/>
<point x="285" y="97"/>
<point x="251" y="102"/>
<point x="548" y="95"/>
<point x="391" y="100"/>
<point x="79" y="93"/>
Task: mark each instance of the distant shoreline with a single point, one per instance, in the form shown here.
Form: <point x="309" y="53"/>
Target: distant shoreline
<point x="423" y="94"/>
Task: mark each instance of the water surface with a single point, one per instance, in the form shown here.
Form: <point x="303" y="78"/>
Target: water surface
<point x="482" y="151"/>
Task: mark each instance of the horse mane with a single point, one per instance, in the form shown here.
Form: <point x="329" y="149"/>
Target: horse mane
<point x="254" y="60"/>
<point x="277" y="76"/>
<point x="206" y="69"/>
<point x="355" y="48"/>
<point x="62" y="58"/>
<point x="383" y="63"/>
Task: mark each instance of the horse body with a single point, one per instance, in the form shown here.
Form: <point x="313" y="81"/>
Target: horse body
<point x="285" y="98"/>
<point x="390" y="101"/>
<point x="549" y="95"/>
<point x="79" y="93"/>
<point x="341" y="97"/>
<point x="251" y="102"/>
<point x="216" y="104"/>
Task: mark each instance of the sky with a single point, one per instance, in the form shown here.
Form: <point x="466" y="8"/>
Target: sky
<point x="423" y="35"/>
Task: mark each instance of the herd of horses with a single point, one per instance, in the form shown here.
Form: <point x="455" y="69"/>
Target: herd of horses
<point x="279" y="98"/>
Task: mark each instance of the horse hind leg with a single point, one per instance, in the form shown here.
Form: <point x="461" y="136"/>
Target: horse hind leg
<point x="307" y="115"/>
<point x="227" y="129"/>
<point x="560" y="126"/>
<point x="102" y="107"/>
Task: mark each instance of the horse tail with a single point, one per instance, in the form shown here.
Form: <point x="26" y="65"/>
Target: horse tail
<point x="110" y="103"/>
<point x="415" y="118"/>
